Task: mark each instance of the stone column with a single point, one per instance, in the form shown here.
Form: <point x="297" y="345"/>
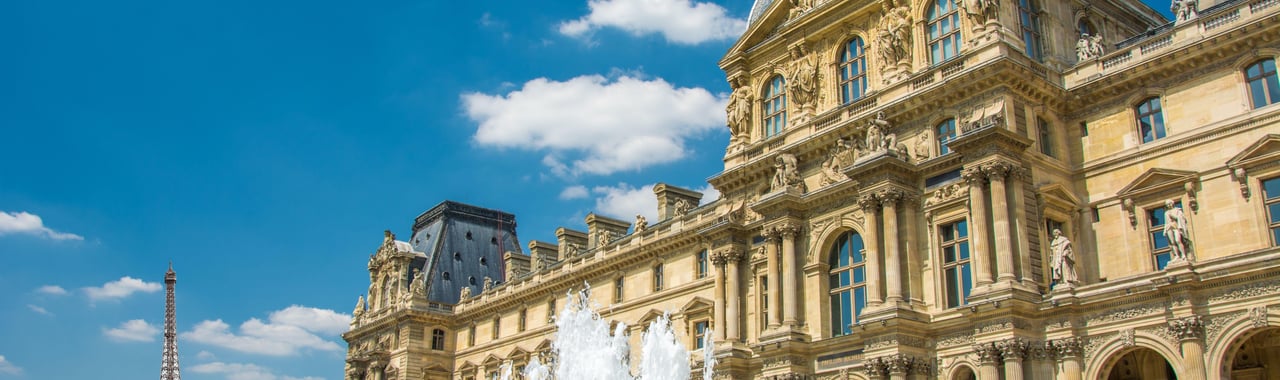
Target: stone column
<point x="910" y="249"/>
<point x="1190" y="334"/>
<point x="1000" y="222"/>
<point x="876" y="368"/>
<point x="899" y="366"/>
<point x="1022" y="242"/>
<point x="718" y="262"/>
<point x="1013" y="350"/>
<point x="789" y="268"/>
<point x="870" y="209"/>
<point x="988" y="361"/>
<point x="1041" y="356"/>
<point x="1069" y="352"/>
<point x="732" y="297"/>
<point x="892" y="256"/>
<point x="771" y="240"/>
<point x="978" y="226"/>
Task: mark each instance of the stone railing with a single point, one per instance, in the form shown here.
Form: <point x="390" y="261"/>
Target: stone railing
<point x="1211" y="23"/>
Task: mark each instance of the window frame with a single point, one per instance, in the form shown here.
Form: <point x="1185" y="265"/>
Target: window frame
<point x="1159" y="128"/>
<point x="962" y="265"/>
<point x="1268" y="202"/>
<point x="1045" y="134"/>
<point x="702" y="265"/>
<point x="1155" y="234"/>
<point x="853" y="71"/>
<point x="935" y="36"/>
<point x="943" y="138"/>
<point x="619" y="284"/>
<point x="774" y="107"/>
<point x="657" y="276"/>
<point x="700" y="329"/>
<point x="1029" y="23"/>
<point x="855" y="291"/>
<point x="1268" y="81"/>
<point x="437" y="339"/>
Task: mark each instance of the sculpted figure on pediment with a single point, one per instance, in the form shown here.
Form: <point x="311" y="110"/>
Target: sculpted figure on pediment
<point x="831" y="167"/>
<point x="738" y="110"/>
<point x="798" y="7"/>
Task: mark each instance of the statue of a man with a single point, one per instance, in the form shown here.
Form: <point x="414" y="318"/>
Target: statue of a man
<point x="1184" y="9"/>
<point x="831" y="168"/>
<point x="738" y="110"/>
<point x="1064" y="260"/>
<point x="875" y="138"/>
<point x="803" y="81"/>
<point x="1084" y="48"/>
<point x="418" y="285"/>
<point x="1175" y="230"/>
<point x="785" y="172"/>
<point x="641" y="223"/>
<point x="359" y="307"/>
<point x="387" y="237"/>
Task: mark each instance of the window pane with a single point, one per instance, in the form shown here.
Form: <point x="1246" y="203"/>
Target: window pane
<point x="966" y="279"/>
<point x="963" y="228"/>
<point x="1159" y="241"/>
<point x="859" y="300"/>
<point x="953" y="294"/>
<point x="1273" y="88"/>
<point x="833" y="281"/>
<point x="844" y="279"/>
<point x="847" y="318"/>
<point x="964" y="250"/>
<point x="1274" y="210"/>
<point x="1271" y="188"/>
<point x="949" y="254"/>
<point x="836" y="330"/>
<point x="1275" y="236"/>
<point x="1156" y="217"/>
<point x="948" y="233"/>
<point x="859" y="275"/>
<point x="1162" y="260"/>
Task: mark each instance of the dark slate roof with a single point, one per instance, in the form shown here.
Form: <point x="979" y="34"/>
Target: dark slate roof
<point x="466" y="242"/>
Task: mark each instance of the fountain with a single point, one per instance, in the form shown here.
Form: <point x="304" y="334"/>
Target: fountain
<point x="586" y="349"/>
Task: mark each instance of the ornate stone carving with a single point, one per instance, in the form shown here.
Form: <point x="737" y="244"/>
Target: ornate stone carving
<point x="832" y="166"/>
<point x="1127" y="204"/>
<point x="1067" y="347"/>
<point x="1040" y="351"/>
<point x="876" y="367"/>
<point x="973" y="174"/>
<point x="889" y="196"/>
<point x="924" y="147"/>
<point x="802" y="78"/>
<point x="1126" y="337"/>
<point x="868" y="202"/>
<point x="682" y="207"/>
<point x="738" y="111"/>
<point x="1064" y="260"/>
<point x="987" y="353"/>
<point x="798" y="7"/>
<point x="464" y="293"/>
<point x="893" y="37"/>
<point x="1088" y="47"/>
<point x="955" y="339"/>
<point x="1216" y="323"/>
<point x="878" y="138"/>
<point x="1251" y="290"/>
<point x="418" y="285"/>
<point x="980" y="12"/>
<point x="789" y="229"/>
<point x="1242" y="177"/>
<point x="641" y="224"/>
<point x="1187" y="328"/>
<point x="359" y="307"/>
<point x="946" y="193"/>
<point x="1175" y="229"/>
<point x="1012" y="349"/>
<point x="899" y="363"/>
<point x="1258" y="316"/>
<point x="786" y="173"/>
<point x="1184" y="10"/>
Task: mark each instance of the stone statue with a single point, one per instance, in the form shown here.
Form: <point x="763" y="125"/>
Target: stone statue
<point x="466" y="293"/>
<point x="924" y="147"/>
<point x="488" y="284"/>
<point x="738" y="111"/>
<point x="803" y="79"/>
<point x="1064" y="260"/>
<point x="1088" y="47"/>
<point x="1095" y="45"/>
<point x="785" y="172"/>
<point x="875" y="133"/>
<point x="359" y="307"/>
<point x="388" y="238"/>
<point x="1175" y="230"/>
<point x="894" y="34"/>
<point x="831" y="168"/>
<point x="418" y="285"/>
<point x="641" y="224"/>
<point x="572" y="250"/>
<point x="682" y="207"/>
<point x="798" y="7"/>
<point x="1184" y="10"/>
<point x="603" y="237"/>
<point x="847" y="151"/>
<point x="979" y="11"/>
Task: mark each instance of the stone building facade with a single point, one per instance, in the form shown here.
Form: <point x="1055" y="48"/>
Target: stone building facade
<point x="933" y="189"/>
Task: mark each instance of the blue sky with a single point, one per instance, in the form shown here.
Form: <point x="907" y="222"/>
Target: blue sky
<point x="264" y="146"/>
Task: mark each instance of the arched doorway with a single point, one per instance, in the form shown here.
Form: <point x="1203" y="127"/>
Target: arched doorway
<point x="1141" y="364"/>
<point x="964" y="373"/>
<point x="1253" y="356"/>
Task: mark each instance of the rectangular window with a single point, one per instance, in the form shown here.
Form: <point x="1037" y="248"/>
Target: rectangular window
<point x="699" y="333"/>
<point x="1263" y="86"/>
<point x="497" y="327"/>
<point x="702" y="264"/>
<point x="1046" y="137"/>
<point x="946" y="132"/>
<point x="437" y="339"/>
<point x="551" y="309"/>
<point x="471" y="336"/>
<point x="764" y="301"/>
<point x="1150" y="120"/>
<point x="657" y="278"/>
<point x="1159" y="242"/>
<point x="1271" y="190"/>
<point x="617" y="289"/>
<point x="954" y="238"/>
<point x="775" y="107"/>
<point x="521" y="322"/>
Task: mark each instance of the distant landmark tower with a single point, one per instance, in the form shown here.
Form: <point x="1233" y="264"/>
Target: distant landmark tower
<point x="169" y="362"/>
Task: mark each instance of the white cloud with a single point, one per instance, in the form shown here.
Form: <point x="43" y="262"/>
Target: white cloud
<point x="206" y="355"/>
<point x="52" y="290"/>
<point x="136" y="330"/>
<point x="709" y="194"/>
<point x="287" y="332"/>
<point x="679" y="21"/>
<point x="596" y="125"/>
<point x="23" y="222"/>
<point x="121" y="288"/>
<point x="8" y="368"/>
<point x="312" y="319"/>
<point x="624" y="201"/>
<point x="574" y="192"/>
<point x="39" y="310"/>
<point x="239" y="371"/>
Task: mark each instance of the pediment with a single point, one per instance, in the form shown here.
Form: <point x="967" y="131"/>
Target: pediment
<point x="517" y="353"/>
<point x="491" y="360"/>
<point x="1056" y="194"/>
<point x="1155" y="179"/>
<point x="467" y="366"/>
<point x="648" y="316"/>
<point x="543" y="346"/>
<point x="696" y="304"/>
<point x="762" y="26"/>
<point x="1265" y="150"/>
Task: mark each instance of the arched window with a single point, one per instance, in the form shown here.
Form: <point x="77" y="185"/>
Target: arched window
<point x="946" y="131"/>
<point x="848" y="282"/>
<point x="1029" y="18"/>
<point x="775" y="106"/>
<point x="853" y="71"/>
<point x="1085" y="27"/>
<point x="1150" y="120"/>
<point x="1263" y="89"/>
<point x="944" y="31"/>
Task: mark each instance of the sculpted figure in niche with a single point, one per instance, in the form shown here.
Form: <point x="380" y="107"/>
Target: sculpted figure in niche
<point x="1184" y="9"/>
<point x="738" y="110"/>
<point x="641" y="223"/>
<point x="979" y="11"/>
<point x="924" y="147"/>
<point x="786" y="173"/>
<point x="1175" y="229"/>
<point x="803" y="81"/>
<point x="1064" y="260"/>
<point x="894" y="34"/>
<point x="418" y="286"/>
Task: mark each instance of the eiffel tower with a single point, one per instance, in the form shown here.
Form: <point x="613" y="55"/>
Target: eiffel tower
<point x="169" y="360"/>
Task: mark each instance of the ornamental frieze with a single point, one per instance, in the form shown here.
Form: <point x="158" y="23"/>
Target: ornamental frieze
<point x="1250" y="290"/>
<point x="1124" y="314"/>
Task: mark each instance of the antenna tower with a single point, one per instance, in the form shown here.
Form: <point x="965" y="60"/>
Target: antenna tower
<point x="169" y="361"/>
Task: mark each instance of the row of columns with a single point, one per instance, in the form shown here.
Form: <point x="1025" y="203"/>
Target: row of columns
<point x="886" y="203"/>
<point x="1044" y="358"/>
<point x="728" y="292"/>
<point x="782" y="277"/>
<point x="1004" y="180"/>
<point x="896" y="367"/>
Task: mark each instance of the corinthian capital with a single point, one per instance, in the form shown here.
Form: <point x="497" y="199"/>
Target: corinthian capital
<point x="1187" y="328"/>
<point x="728" y="255"/>
<point x="868" y="202"/>
<point x="876" y="367"/>
<point x="997" y="171"/>
<point x="771" y="234"/>
<point x="973" y="175"/>
<point x="789" y="229"/>
<point x="988" y="353"/>
<point x="1012" y="348"/>
<point x="1067" y="347"/>
<point x="889" y="196"/>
